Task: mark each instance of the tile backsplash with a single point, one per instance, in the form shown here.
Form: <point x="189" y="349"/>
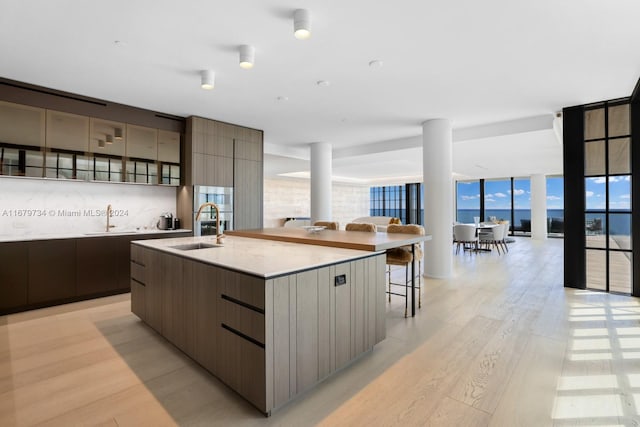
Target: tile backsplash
<point x="31" y="207"/>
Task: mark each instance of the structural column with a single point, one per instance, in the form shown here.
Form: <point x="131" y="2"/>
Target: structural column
<point x="538" y="207"/>
<point x="438" y="197"/>
<point x="320" y="182"/>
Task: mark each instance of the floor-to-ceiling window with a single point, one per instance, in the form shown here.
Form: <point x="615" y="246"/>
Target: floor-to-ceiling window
<point x="399" y="201"/>
<point x="555" y="205"/>
<point x="522" y="205"/>
<point x="497" y="200"/>
<point x="467" y="201"/>
<point x="607" y="175"/>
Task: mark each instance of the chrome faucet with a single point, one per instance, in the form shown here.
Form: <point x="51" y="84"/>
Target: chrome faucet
<point x="219" y="235"/>
<point x="109" y="209"/>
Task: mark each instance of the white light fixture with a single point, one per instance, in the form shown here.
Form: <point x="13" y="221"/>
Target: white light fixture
<point x="323" y="83"/>
<point x="301" y="24"/>
<point x="208" y="79"/>
<point x="247" y="56"/>
<point x="376" y="63"/>
<point x="101" y="143"/>
<point x="109" y="139"/>
<point x="117" y="133"/>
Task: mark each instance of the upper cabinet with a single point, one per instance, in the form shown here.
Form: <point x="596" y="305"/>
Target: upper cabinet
<point x="67" y="131"/>
<point x="168" y="146"/>
<point x="21" y="124"/>
<point x="107" y="137"/>
<point x="142" y="142"/>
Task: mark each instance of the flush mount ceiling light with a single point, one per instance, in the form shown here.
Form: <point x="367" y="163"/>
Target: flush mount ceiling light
<point x="301" y="24"/>
<point x="247" y="56"/>
<point x="323" y="83"/>
<point x="208" y="79"/>
<point x="109" y="139"/>
<point x="117" y="133"/>
<point x="376" y="63"/>
<point x="101" y="143"/>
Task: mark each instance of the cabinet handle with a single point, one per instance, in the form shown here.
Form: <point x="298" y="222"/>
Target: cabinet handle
<point x="241" y="335"/>
<point x="138" y="263"/>
<point x="242" y="303"/>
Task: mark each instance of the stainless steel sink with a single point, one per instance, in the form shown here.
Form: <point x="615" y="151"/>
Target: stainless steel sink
<point x="195" y="246"/>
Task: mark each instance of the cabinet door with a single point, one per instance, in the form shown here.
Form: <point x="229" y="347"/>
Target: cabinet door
<point x="219" y="171"/>
<point x="174" y="303"/>
<point x="13" y="275"/>
<point x="248" y="150"/>
<point x="21" y="124"/>
<point x="96" y="266"/>
<point x="168" y="146"/>
<point x="247" y="195"/>
<point x="142" y="142"/>
<point x="52" y="270"/>
<point x="67" y="131"/>
<point x="106" y="131"/>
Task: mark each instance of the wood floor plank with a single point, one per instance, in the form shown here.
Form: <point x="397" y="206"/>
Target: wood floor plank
<point x="501" y="343"/>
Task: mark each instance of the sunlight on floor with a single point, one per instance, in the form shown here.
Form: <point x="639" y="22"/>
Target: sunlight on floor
<point x="608" y="392"/>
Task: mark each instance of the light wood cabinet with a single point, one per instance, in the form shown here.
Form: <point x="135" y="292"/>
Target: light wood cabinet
<point x="67" y="131"/>
<point x="142" y="142"/>
<point x="270" y="340"/>
<point x="22" y="125"/>
<point x="103" y="130"/>
<point x="168" y="146"/>
<point x="247" y="195"/>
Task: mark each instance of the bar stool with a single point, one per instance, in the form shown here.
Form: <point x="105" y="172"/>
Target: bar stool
<point x="403" y="256"/>
<point x="331" y="225"/>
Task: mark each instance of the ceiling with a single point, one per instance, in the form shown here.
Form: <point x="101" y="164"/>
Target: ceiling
<point x="480" y="64"/>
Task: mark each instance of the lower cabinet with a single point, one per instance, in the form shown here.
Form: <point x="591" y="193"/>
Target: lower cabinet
<point x="96" y="265"/>
<point x="268" y="339"/>
<point x="52" y="270"/>
<point x="13" y="274"/>
<point x="38" y="273"/>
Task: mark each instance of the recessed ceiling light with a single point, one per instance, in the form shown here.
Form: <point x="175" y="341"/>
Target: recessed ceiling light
<point x="282" y="98"/>
<point x="376" y="63"/>
<point x="301" y="24"/>
<point x="119" y="43"/>
<point x="247" y="56"/>
<point x="207" y="79"/>
<point x="323" y="83"/>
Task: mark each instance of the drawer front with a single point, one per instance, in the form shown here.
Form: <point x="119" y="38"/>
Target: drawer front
<point x="137" y="254"/>
<point x="138" y="300"/>
<point x="242" y="318"/>
<point x="242" y="367"/>
<point x="138" y="272"/>
<point x="240" y="287"/>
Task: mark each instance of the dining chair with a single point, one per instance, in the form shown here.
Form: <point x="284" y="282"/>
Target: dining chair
<point x="403" y="256"/>
<point x="494" y="237"/>
<point x="360" y="226"/>
<point x="465" y="235"/>
<point x="331" y="225"/>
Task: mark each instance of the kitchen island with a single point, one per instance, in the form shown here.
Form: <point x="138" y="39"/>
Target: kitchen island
<point x="270" y="319"/>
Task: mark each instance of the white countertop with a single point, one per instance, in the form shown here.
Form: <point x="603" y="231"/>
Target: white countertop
<point x="258" y="257"/>
<point x="55" y="236"/>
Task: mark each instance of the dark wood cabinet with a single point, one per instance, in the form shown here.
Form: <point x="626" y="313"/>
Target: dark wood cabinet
<point x="39" y="273"/>
<point x="96" y="265"/>
<point x="13" y="275"/>
<point x="52" y="270"/>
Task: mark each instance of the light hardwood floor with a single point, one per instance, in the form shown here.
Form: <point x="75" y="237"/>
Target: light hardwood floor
<point x="502" y="343"/>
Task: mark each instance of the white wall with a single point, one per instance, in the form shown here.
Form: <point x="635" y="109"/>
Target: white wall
<point x="40" y="206"/>
<point x="290" y="197"/>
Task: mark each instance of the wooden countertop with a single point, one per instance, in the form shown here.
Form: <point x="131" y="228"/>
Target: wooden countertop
<point x="359" y="240"/>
